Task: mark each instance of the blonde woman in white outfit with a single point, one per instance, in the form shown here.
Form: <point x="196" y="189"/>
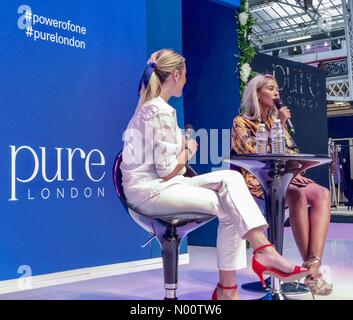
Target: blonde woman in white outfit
<point x="154" y="158"/>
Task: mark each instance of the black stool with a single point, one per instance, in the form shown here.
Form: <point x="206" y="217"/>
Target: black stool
<point x="168" y="229"/>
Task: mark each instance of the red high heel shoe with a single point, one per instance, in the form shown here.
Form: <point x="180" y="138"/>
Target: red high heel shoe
<point x="215" y="295"/>
<point x="262" y="270"/>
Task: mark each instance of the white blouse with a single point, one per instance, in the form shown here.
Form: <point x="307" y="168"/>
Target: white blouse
<point x="152" y="142"/>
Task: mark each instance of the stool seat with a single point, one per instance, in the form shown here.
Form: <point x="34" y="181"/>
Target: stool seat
<point x="184" y="222"/>
<point x="169" y="229"/>
<point x="180" y="220"/>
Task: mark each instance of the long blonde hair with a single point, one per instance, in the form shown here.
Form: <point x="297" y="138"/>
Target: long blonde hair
<point x="164" y="62"/>
<point x="250" y="106"/>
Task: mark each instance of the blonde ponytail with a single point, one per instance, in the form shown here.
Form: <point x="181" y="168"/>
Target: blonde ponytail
<point x="160" y="66"/>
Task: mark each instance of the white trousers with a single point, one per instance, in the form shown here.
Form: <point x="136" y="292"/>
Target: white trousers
<point x="222" y="193"/>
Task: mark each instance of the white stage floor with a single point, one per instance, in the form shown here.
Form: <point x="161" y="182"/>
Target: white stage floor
<point x="198" y="278"/>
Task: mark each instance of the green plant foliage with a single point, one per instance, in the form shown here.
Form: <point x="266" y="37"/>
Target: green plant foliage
<point x="245" y="50"/>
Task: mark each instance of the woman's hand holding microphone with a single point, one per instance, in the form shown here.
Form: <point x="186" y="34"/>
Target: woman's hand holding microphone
<point x="189" y="143"/>
<point x="191" y="147"/>
<point x="284" y="114"/>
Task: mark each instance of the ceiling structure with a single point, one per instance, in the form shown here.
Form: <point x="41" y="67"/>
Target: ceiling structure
<point x="279" y="21"/>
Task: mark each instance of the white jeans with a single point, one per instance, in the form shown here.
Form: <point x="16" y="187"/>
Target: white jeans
<point x="222" y="193"/>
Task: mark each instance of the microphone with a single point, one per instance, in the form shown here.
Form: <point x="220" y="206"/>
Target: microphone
<point x="279" y="105"/>
<point x="189" y="131"/>
<point x="188" y="134"/>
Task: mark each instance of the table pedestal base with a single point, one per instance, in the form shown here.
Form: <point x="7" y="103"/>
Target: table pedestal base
<point x="290" y="288"/>
<point x="275" y="296"/>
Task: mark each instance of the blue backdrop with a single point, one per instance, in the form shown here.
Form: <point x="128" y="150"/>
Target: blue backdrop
<point x="69" y="72"/>
<point x="211" y="96"/>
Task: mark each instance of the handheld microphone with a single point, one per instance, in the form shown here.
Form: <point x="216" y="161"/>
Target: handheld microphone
<point x="188" y="134"/>
<point x="279" y="105"/>
<point x="189" y="131"/>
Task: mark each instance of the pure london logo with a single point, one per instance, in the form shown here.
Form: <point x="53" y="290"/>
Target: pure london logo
<point x="55" y="173"/>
